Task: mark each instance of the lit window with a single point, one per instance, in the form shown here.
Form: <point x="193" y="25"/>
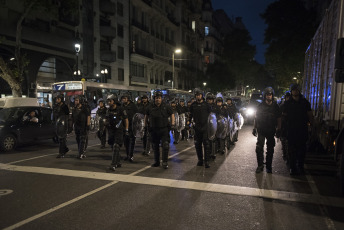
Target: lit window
<point x="206" y="31"/>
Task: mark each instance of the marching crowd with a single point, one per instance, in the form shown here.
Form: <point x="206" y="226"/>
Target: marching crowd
<point x="118" y="123"/>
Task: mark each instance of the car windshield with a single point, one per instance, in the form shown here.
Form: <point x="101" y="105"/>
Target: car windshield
<point x="8" y="114"/>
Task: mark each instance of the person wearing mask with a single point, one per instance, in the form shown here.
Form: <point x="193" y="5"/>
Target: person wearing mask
<point x="101" y="113"/>
<point x="158" y="114"/>
<point x="80" y="114"/>
<point x="199" y="112"/>
<point x="61" y="114"/>
<point x="299" y="117"/>
<point x="129" y="140"/>
<point x="267" y="123"/>
<point x="116" y="120"/>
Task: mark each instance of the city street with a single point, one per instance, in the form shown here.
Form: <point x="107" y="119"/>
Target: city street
<point x="39" y="191"/>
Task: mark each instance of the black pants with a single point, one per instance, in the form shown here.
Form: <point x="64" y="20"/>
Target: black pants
<point x="297" y="153"/>
<point x="102" y="137"/>
<point x="160" y="135"/>
<point x="81" y="136"/>
<point x="129" y="143"/>
<point x="146" y="141"/>
<point x="270" y="144"/>
<point x="115" y="141"/>
<point x="63" y="146"/>
<point x="201" y="140"/>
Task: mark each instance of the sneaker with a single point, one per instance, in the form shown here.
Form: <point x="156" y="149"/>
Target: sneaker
<point x="200" y="163"/>
<point x="260" y="169"/>
<point x="60" y="156"/>
<point x="165" y="165"/>
<point x="156" y="164"/>
<point x="131" y="159"/>
<point x="268" y="170"/>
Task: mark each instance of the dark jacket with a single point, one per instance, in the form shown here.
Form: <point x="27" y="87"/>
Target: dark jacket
<point x="114" y="116"/>
<point x="60" y="110"/>
<point x="80" y="119"/>
<point x="158" y="115"/>
<point x="130" y="110"/>
<point x="266" y="117"/>
<point x="296" y="118"/>
<point x="200" y="113"/>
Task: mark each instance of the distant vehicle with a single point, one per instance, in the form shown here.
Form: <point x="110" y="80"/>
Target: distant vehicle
<point x="250" y="110"/>
<point x="15" y="128"/>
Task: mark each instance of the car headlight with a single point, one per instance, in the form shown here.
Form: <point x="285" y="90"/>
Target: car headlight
<point x="250" y="111"/>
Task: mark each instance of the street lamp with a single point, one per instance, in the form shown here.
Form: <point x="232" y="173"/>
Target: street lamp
<point x="104" y="72"/>
<point x="169" y="82"/>
<point x="177" y="51"/>
<point x="77" y="50"/>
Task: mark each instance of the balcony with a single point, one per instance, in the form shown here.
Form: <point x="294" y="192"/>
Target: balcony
<point x="107" y="7"/>
<point x="173" y="19"/>
<point x="142" y="52"/>
<point x="107" y="31"/>
<point x="140" y="25"/>
<point x="107" y="56"/>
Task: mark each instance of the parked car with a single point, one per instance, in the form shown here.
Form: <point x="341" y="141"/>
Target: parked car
<point x="17" y="126"/>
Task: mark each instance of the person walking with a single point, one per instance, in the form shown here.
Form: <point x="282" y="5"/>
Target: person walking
<point x="101" y="113"/>
<point x="299" y="118"/>
<point x="61" y="115"/>
<point x="267" y="123"/>
<point x="158" y="114"/>
<point x="80" y="114"/>
<point x="199" y="112"/>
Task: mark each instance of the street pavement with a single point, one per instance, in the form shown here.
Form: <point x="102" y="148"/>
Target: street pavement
<point x="39" y="191"/>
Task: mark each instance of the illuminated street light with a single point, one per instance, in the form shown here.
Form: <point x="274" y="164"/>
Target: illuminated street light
<point x="177" y="51"/>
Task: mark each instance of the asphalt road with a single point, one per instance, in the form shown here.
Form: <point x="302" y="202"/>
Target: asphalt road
<point x="39" y="191"/>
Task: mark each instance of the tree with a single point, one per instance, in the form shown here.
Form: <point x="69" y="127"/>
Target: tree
<point x="12" y="71"/>
<point x="220" y="77"/>
<point x="290" y="29"/>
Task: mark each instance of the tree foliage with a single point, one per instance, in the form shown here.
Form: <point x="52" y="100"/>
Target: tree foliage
<point x="290" y="29"/>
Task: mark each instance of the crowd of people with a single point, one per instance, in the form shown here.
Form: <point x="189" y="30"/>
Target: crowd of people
<point x="289" y="121"/>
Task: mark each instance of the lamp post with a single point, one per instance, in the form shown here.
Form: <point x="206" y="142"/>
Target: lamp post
<point x="77" y="50"/>
<point x="104" y="73"/>
<point x="204" y="85"/>
<point x="175" y="51"/>
<point x="171" y="81"/>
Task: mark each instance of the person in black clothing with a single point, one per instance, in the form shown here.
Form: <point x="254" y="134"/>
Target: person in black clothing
<point x="80" y="114"/>
<point x="189" y="126"/>
<point x="116" y="119"/>
<point x="158" y="114"/>
<point x="146" y="139"/>
<point x="221" y="111"/>
<point x="232" y="111"/>
<point x="268" y="117"/>
<point x="175" y="132"/>
<point x="129" y="140"/>
<point x="299" y="117"/>
<point x="183" y="110"/>
<point x="200" y="111"/>
<point x="101" y="113"/>
<point x="61" y="111"/>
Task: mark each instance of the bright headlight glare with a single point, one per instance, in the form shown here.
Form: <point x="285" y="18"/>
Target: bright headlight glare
<point x="250" y="111"/>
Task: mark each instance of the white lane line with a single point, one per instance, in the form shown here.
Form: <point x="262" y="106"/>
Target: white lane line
<point x="200" y="186"/>
<point x="21" y="223"/>
<point x="322" y="208"/>
<point x="58" y="172"/>
<point x="181" y="152"/>
<point x="33" y="158"/>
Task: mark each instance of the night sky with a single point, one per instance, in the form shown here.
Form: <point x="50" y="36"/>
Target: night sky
<point x="249" y="10"/>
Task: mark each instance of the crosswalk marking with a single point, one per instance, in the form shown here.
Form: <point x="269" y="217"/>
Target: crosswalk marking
<point x="182" y="184"/>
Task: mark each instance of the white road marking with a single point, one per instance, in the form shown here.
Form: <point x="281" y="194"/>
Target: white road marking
<point x="200" y="186"/>
<point x="322" y="208"/>
<point x="32" y="158"/>
<point x="59" y="172"/>
<point x="21" y="223"/>
<point x="4" y="192"/>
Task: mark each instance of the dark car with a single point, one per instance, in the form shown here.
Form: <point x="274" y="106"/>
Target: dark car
<point x="17" y="126"/>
